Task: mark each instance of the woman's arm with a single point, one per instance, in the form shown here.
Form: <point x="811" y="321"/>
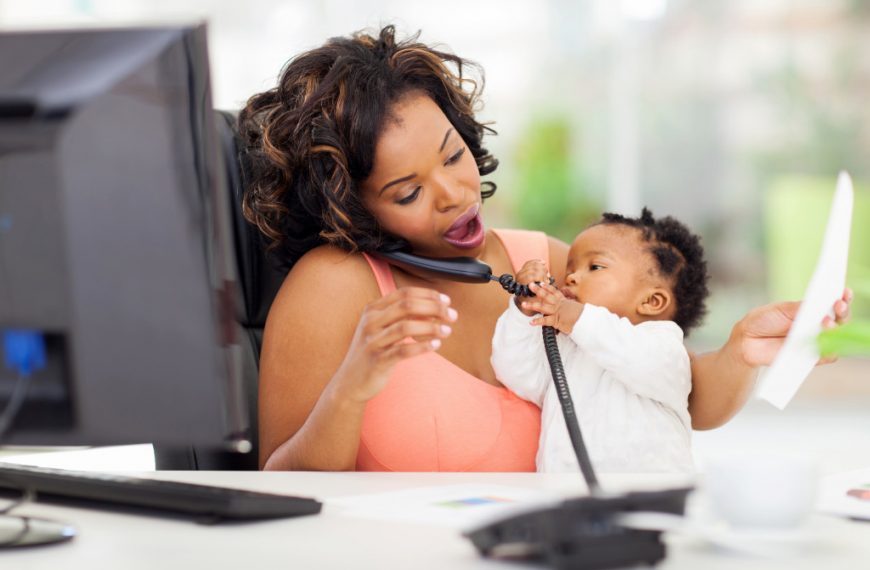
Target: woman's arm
<point x="329" y="346"/>
<point x="722" y="381"/>
<point x="302" y="424"/>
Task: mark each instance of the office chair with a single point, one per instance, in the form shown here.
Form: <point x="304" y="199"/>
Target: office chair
<point x="259" y="281"/>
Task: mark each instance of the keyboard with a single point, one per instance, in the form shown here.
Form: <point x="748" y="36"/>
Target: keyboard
<point x="204" y="502"/>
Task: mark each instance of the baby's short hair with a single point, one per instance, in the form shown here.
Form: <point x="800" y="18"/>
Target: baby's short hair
<point x="679" y="257"/>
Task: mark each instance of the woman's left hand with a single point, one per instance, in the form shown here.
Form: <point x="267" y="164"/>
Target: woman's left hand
<point x="764" y="329"/>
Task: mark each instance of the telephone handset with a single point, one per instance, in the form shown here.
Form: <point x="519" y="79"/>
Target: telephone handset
<point x="465" y="269"/>
<point x="579" y="533"/>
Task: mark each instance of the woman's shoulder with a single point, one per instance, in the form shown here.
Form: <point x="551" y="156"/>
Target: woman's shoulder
<point x="328" y="261"/>
<point x="557" y="246"/>
<point x="516" y="234"/>
<point x="558" y="257"/>
<point x="327" y="272"/>
<point x="556" y="249"/>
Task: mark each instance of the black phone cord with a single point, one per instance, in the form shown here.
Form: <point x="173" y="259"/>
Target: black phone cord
<point x="557" y="369"/>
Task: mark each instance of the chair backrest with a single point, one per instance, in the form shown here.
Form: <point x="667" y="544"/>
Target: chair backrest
<point x="259" y="281"/>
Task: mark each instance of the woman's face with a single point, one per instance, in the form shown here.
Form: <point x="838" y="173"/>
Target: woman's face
<point x="425" y="186"/>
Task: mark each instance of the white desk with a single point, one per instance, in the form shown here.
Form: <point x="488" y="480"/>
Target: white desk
<point x="332" y="540"/>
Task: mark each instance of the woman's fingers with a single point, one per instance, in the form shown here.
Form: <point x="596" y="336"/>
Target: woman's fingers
<point x="408" y="321"/>
<point x="409" y="303"/>
<point x="420" y="331"/>
<point x="404" y="323"/>
<point x="764" y="329"/>
<point x="404" y="350"/>
<point x="407" y="293"/>
<point x="842" y="306"/>
<point x="841" y="315"/>
<point x="841" y="311"/>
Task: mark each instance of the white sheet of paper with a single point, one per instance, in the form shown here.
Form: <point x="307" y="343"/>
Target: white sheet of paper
<point x="799" y="353"/>
<point x="456" y="506"/>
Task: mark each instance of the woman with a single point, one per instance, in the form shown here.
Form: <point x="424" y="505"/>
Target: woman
<point x="368" y="143"/>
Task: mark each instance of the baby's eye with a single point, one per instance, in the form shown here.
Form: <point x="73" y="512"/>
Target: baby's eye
<point x="595" y="267"/>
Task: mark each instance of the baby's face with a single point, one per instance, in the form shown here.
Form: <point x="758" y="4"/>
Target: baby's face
<point x="609" y="266"/>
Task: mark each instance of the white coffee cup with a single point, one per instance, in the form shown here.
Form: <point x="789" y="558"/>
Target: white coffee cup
<point x="755" y="491"/>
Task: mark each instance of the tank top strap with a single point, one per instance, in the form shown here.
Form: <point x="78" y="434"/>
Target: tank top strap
<point x="523" y="245"/>
<point x="383" y="275"/>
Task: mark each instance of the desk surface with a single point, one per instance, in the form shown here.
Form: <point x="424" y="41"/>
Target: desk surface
<point x="334" y="540"/>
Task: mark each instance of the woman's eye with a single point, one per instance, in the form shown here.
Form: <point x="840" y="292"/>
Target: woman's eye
<point x="410" y="197"/>
<point x="455" y="157"/>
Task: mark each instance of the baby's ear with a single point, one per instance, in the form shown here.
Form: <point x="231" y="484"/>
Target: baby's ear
<point x="657" y="303"/>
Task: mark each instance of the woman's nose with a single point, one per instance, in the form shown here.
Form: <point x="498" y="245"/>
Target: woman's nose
<point x="450" y="193"/>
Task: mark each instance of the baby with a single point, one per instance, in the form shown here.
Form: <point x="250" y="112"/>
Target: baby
<point x="633" y="287"/>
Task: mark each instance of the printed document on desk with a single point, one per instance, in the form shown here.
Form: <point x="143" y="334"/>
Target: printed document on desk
<point x="846" y="494"/>
<point x="454" y="506"/>
<point x="799" y="353"/>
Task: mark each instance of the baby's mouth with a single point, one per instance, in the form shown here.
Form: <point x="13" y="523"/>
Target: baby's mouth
<point x="569" y="294"/>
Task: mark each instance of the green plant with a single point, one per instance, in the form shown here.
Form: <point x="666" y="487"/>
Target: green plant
<point x="551" y="196"/>
<point x="851" y="339"/>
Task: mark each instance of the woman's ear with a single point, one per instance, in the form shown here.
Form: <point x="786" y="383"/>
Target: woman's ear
<point x="657" y="302"/>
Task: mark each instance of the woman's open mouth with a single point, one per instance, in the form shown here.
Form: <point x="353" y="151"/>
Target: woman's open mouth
<point x="467" y="232"/>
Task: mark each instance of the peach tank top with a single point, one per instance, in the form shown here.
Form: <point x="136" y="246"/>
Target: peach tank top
<point x="435" y="416"/>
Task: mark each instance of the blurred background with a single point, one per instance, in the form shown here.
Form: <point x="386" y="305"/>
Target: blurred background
<point x="734" y="117"/>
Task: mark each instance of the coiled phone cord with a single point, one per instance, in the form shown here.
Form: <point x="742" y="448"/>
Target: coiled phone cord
<point x="551" y="347"/>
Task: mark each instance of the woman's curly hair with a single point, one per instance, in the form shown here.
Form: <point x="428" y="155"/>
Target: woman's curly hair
<point x="310" y="141"/>
<point x="679" y="257"/>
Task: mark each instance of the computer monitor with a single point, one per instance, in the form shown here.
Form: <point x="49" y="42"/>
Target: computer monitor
<point x="115" y="247"/>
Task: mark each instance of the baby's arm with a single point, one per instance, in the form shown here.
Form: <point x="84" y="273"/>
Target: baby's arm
<point x="517" y="347"/>
<point x="518" y="356"/>
<point x="649" y="359"/>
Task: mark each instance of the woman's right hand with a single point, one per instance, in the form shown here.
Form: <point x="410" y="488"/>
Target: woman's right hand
<point x="406" y="322"/>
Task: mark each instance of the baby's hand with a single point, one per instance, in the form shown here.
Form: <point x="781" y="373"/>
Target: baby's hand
<point x="556" y="310"/>
<point x="534" y="270"/>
